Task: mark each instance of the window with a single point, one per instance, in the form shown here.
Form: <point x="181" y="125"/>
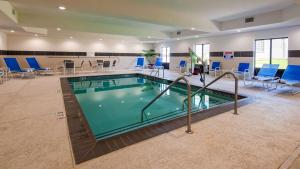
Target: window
<point x="271" y="51"/>
<point x="262" y="56"/>
<point x="279" y="53"/>
<point x="203" y="50"/>
<point x="260" y="46"/>
<point x="165" y="54"/>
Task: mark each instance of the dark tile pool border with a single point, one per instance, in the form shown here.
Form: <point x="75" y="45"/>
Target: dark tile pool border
<point x="84" y="145"/>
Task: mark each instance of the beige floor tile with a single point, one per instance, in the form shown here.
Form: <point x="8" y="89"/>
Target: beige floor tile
<point x="263" y="135"/>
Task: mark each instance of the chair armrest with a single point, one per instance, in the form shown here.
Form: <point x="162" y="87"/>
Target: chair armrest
<point x="246" y="71"/>
<point x="276" y="78"/>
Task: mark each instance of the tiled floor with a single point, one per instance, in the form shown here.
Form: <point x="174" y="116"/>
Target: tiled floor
<point x="263" y="136"/>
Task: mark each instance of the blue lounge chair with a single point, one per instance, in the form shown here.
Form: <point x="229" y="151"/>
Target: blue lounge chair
<point x="34" y="64"/>
<point x="140" y="63"/>
<point x="266" y="74"/>
<point x="14" y="67"/>
<point x="157" y="66"/>
<point x="215" y="67"/>
<point x="242" y="70"/>
<point x="182" y="66"/>
<point x="291" y="76"/>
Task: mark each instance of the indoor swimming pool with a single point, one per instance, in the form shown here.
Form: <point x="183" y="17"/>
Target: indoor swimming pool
<point x="113" y="104"/>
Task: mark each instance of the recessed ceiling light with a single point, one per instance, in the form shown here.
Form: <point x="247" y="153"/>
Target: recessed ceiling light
<point x="58" y="29"/>
<point x="178" y="39"/>
<point x="71" y="37"/>
<point x="193" y="28"/>
<point x="197" y="36"/>
<point x="61" y="7"/>
<point x="149" y="37"/>
<point x="100" y="39"/>
<point x="36" y="35"/>
<point x="12" y="31"/>
<point x="238" y="30"/>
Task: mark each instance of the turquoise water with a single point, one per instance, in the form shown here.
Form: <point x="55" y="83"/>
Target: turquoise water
<point x="113" y="104"/>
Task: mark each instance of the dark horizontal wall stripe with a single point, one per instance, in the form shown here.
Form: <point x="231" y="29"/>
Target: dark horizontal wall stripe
<point x="60" y="53"/>
<point x="117" y="54"/>
<point x="216" y="54"/>
<point x="294" y="53"/>
<point x="243" y="54"/>
<point x="236" y="54"/>
<point x="46" y="53"/>
<point x="180" y="54"/>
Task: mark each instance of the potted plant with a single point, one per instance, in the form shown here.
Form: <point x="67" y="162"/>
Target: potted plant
<point x="150" y="56"/>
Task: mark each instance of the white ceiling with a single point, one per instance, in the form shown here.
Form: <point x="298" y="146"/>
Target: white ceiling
<point x="158" y="19"/>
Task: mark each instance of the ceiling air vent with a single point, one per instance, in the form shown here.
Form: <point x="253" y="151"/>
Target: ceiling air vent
<point x="249" y="19"/>
<point x="178" y="33"/>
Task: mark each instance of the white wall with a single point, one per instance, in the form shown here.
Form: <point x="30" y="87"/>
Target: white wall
<point x="3" y="41"/>
<point x="42" y="43"/>
<point x="236" y="42"/>
<point x="22" y="42"/>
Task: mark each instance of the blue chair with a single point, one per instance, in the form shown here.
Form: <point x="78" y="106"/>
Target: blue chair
<point x="182" y="66"/>
<point x="33" y="63"/>
<point x="14" y="67"/>
<point x="158" y="62"/>
<point x="266" y="74"/>
<point x="157" y="66"/>
<point x="215" y="67"/>
<point x="140" y="62"/>
<point x="291" y="76"/>
<point x="242" y="70"/>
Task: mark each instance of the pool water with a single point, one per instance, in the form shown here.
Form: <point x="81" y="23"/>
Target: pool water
<point x="113" y="104"/>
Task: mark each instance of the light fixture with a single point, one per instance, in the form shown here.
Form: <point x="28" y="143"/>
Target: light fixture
<point x="61" y="7"/>
<point x="12" y="31"/>
<point x="178" y="39"/>
<point x="100" y="39"/>
<point x="58" y="29"/>
<point x="71" y="37"/>
<point x="192" y="28"/>
<point x="238" y="30"/>
<point x="36" y="35"/>
<point x="149" y="37"/>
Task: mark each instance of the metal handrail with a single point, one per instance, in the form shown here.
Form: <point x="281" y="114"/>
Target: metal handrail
<point x="189" y="115"/>
<point x="212" y="82"/>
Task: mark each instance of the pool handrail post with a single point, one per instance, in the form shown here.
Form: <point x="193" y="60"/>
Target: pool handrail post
<point x="212" y="82"/>
<point x="189" y="113"/>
